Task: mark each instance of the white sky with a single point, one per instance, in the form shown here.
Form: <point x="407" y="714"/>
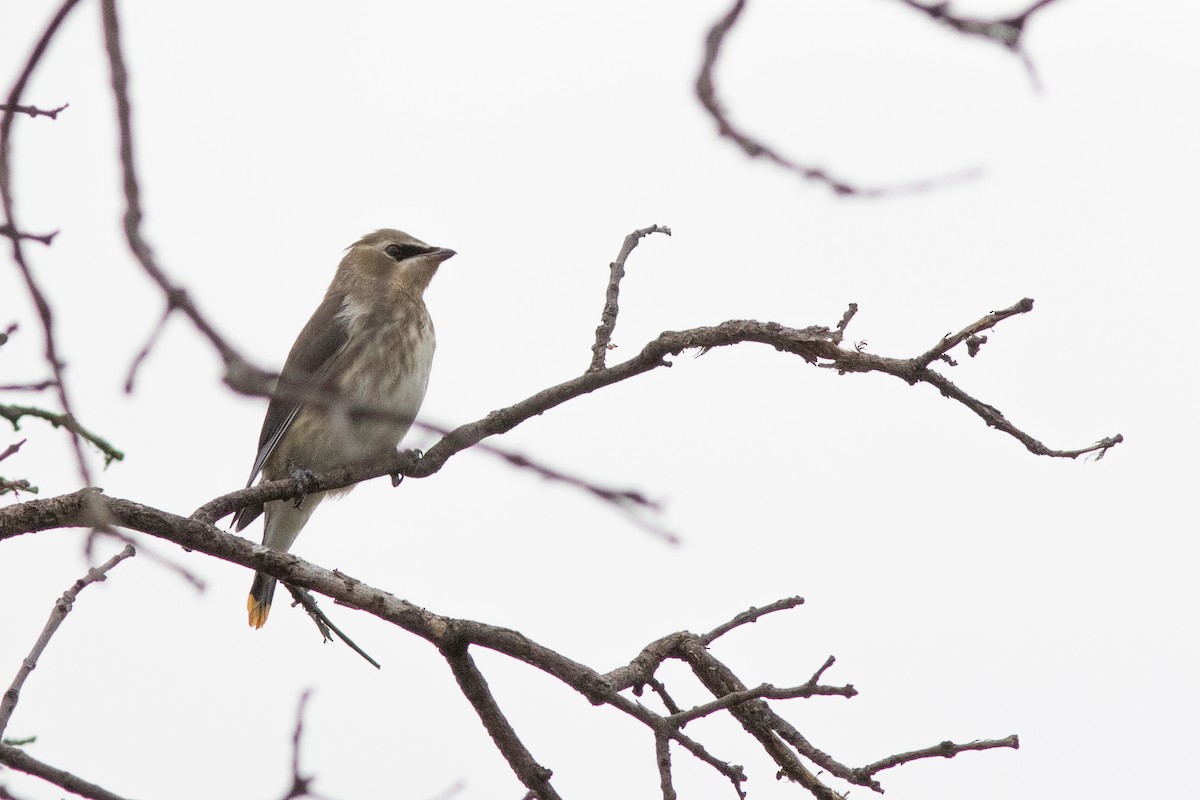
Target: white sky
<point x="968" y="588"/>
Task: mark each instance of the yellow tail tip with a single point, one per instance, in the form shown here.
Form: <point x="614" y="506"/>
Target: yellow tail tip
<point x="258" y="612"/>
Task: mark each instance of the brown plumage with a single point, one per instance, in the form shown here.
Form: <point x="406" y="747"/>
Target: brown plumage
<point x="371" y="342"/>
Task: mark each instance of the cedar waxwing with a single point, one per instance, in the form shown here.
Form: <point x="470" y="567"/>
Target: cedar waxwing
<point x="370" y="343"/>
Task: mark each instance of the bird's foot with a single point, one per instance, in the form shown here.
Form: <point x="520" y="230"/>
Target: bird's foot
<point x="306" y="480"/>
<point x="411" y="457"/>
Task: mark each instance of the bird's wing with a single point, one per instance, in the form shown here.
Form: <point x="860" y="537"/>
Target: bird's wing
<point x="319" y="342"/>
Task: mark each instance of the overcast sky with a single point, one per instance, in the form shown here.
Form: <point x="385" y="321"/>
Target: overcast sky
<point x="968" y="588"/>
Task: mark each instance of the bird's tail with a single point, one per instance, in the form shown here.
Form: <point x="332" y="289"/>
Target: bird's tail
<point x="259" y="601"/>
<point x="283" y="523"/>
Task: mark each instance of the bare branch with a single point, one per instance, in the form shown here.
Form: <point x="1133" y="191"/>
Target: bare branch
<point x="6" y="200"/>
<point x="1006" y="31"/>
<point x="14" y="413"/>
<point x="301" y="784"/>
<point x="988" y="321"/>
<point x="145" y="351"/>
<point x="10" y="108"/>
<point x="18" y="759"/>
<point x="12" y="449"/>
<point x="763" y="692"/>
<point x="944" y="750"/>
<point x="325" y="624"/>
<point x="29" y="387"/>
<point x="840" y="331"/>
<point x="12" y="233"/>
<point x="751" y="615"/>
<point x="16" y="486"/>
<point x="720" y="680"/>
<point x="453" y="636"/>
<point x="474" y="687"/>
<point x="63" y="607"/>
<point x="608" y="318"/>
<point x="662" y="752"/>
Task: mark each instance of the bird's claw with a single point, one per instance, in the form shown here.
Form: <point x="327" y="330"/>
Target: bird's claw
<point x="307" y="482"/>
<point x="413" y="455"/>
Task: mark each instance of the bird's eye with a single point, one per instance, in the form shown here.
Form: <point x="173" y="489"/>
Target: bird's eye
<point x="403" y="251"/>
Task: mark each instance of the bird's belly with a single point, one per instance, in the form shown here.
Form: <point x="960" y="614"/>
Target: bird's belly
<point x="389" y="375"/>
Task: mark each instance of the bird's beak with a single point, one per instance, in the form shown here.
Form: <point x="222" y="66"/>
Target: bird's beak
<point x="443" y="253"/>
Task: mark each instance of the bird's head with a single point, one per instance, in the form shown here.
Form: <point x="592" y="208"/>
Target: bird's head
<point x="390" y="260"/>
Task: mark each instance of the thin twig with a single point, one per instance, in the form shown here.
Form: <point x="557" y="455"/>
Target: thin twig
<point x="1004" y="31"/>
<point x="946" y="749"/>
<point x="840" y="331"/>
<point x="988" y="321"/>
<point x="325" y="624"/>
<point x="608" y="317"/>
<point x="33" y="111"/>
<point x="751" y="615"/>
<point x="63" y="607"/>
<point x="16" y="486"/>
<point x="763" y="692"/>
<point x="12" y="449"/>
<point x="12" y="233"/>
<point x="659" y="689"/>
<point x="145" y="351"/>
<point x="40" y="386"/>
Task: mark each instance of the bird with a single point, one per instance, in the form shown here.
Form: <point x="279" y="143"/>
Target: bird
<point x="369" y="343"/>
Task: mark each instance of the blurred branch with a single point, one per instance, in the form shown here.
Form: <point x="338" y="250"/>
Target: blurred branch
<point x="14" y="413"/>
<point x="12" y="449"/>
<point x="12" y="108"/>
<point x="18" y="759"/>
<point x="12" y="228"/>
<point x="706" y="91"/>
<point x="301" y="784"/>
<point x="16" y="486"/>
<point x="1005" y="31"/>
<point x="12" y="233"/>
